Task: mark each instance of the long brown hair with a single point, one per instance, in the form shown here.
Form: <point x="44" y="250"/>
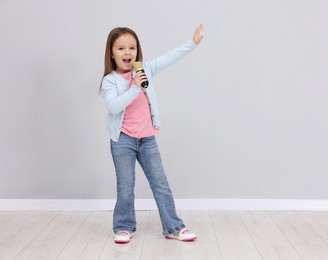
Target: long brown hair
<point x="110" y="64"/>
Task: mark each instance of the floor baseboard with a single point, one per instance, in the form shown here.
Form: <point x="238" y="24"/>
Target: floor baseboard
<point x="181" y="204"/>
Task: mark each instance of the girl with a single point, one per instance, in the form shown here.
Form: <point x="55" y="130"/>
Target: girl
<point x="132" y="122"/>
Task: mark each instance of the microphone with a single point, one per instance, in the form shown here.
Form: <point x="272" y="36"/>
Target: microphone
<point x="138" y="67"/>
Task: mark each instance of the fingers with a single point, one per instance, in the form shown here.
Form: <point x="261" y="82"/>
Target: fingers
<point x="199" y="29"/>
<point x="197" y="36"/>
<point x="139" y="78"/>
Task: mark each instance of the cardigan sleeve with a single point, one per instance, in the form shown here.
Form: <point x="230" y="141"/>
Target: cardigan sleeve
<point x="162" y="62"/>
<point x="115" y="101"/>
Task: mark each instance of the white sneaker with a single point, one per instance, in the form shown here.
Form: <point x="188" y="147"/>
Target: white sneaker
<point x="183" y="235"/>
<point x="122" y="237"/>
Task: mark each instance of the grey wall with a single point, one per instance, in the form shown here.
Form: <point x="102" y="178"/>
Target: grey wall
<point x="244" y="116"/>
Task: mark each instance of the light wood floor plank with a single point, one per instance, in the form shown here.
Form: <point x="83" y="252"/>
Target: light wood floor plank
<point x="233" y="238"/>
<point x="226" y="235"/>
<point x="319" y="222"/>
<point x="200" y="223"/>
<point x="156" y="246"/>
<point x="304" y="238"/>
<point x="90" y="239"/>
<point x="50" y="242"/>
<point x="199" y="250"/>
<point x="10" y="218"/>
<point x="132" y="250"/>
<point x="205" y="247"/>
<point x="268" y="238"/>
<point x="24" y="229"/>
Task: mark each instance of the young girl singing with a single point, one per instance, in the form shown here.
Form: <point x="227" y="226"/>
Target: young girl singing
<point x="133" y="122"/>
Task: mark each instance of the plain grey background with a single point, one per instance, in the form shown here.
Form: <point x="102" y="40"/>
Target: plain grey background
<point x="243" y="116"/>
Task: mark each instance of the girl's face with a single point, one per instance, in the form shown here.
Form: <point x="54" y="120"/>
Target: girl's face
<point x="124" y="52"/>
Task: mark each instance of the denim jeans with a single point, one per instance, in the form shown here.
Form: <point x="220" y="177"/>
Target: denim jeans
<point x="125" y="153"/>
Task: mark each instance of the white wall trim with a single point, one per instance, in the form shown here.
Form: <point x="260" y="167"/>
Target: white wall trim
<point x="149" y="204"/>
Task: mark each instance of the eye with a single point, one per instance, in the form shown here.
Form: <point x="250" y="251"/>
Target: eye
<point x="133" y="48"/>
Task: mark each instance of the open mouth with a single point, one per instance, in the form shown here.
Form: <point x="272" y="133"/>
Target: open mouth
<point x="127" y="61"/>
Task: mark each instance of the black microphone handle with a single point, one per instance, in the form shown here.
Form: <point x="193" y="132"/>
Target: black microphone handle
<point x="145" y="83"/>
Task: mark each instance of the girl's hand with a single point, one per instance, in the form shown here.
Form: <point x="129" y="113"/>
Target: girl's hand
<point x="197" y="38"/>
<point x="139" y="78"/>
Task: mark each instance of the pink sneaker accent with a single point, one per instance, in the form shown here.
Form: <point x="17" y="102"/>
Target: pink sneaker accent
<point x="122" y="237"/>
<point x="184" y="235"/>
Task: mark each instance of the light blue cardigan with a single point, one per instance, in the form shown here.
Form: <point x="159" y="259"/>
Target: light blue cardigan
<point x="118" y="96"/>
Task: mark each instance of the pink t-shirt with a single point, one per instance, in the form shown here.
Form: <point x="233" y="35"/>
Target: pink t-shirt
<point x="137" y="118"/>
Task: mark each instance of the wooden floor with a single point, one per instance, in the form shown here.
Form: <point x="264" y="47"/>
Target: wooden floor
<point x="223" y="235"/>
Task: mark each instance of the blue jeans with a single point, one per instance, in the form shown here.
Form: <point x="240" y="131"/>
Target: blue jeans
<point x="125" y="153"/>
